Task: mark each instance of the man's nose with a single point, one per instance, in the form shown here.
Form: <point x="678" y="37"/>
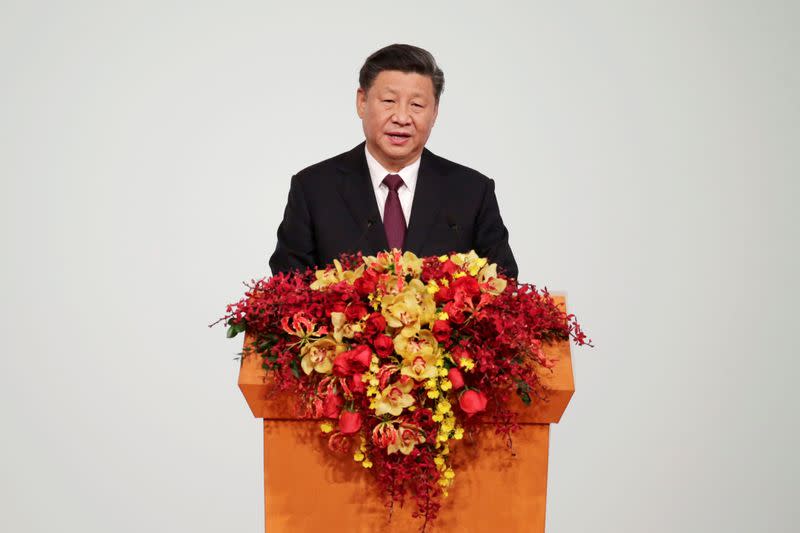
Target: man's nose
<point x="402" y="116"/>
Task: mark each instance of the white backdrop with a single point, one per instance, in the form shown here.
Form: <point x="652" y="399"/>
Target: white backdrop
<point x="646" y="161"/>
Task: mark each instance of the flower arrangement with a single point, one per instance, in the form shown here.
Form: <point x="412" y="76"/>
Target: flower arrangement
<point x="398" y="356"/>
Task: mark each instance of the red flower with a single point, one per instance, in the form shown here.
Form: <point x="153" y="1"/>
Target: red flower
<point x="444" y="294"/>
<point x="366" y="283"/>
<point x="375" y="324"/>
<point x="448" y="267"/>
<point x="455" y="377"/>
<point x="349" y="422"/>
<point x="472" y="402"/>
<point x="442" y="330"/>
<point x="360" y="356"/>
<point x="355" y="312"/>
<point x="383" y="345"/>
<point x="332" y="405"/>
<point x="352" y="361"/>
<point x="356" y="385"/>
<point x="466" y="284"/>
<point x="341" y="365"/>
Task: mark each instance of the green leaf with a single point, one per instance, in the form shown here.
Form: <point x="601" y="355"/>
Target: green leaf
<point x="232" y="332"/>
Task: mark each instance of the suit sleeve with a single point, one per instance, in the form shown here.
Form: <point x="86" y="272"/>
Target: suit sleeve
<point x="491" y="235"/>
<point x="296" y="248"/>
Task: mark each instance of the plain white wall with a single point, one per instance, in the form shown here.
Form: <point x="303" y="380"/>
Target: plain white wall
<point x="646" y="161"/>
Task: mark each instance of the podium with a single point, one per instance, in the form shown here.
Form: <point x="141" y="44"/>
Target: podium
<point x="308" y="488"/>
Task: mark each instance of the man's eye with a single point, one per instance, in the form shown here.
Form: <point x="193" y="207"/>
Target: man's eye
<point x="389" y="101"/>
<point x="417" y="105"/>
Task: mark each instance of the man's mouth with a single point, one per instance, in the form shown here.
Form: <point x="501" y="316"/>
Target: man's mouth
<point x="397" y="137"/>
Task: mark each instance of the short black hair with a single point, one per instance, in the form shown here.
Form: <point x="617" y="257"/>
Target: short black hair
<point x="405" y="58"/>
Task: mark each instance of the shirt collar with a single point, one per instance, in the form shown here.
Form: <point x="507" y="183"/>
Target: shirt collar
<point x="377" y="172"/>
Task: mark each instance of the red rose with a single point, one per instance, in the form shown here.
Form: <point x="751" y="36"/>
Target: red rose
<point x="356" y="385"/>
<point x="349" y="422"/>
<point x="448" y="267"/>
<point x="338" y="307"/>
<point x="332" y="405"/>
<point x="472" y="402"/>
<point x="342" y="365"/>
<point x="366" y="283"/>
<point x="467" y="284"/>
<point x="442" y="330"/>
<point x="375" y="324"/>
<point x="455" y="377"/>
<point x="360" y="358"/>
<point x="444" y="294"/>
<point x="383" y="345"/>
<point x="355" y="312"/>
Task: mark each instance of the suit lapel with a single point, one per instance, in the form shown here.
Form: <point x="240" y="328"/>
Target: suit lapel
<point x="355" y="188"/>
<point x="428" y="196"/>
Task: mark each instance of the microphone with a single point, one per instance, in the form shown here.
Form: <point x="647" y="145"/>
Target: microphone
<point x="370" y="222"/>
<point x="451" y="221"/>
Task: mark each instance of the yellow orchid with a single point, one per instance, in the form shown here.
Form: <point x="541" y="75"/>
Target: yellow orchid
<point x="394" y="398"/>
<point x="342" y="328"/>
<point x="422" y="344"/>
<point x="318" y="356"/>
<point x="420" y="367"/>
<point x="330" y="276"/>
<point x="408" y="436"/>
<point x="489" y="281"/>
<point x="403" y="311"/>
<point x="410" y="264"/>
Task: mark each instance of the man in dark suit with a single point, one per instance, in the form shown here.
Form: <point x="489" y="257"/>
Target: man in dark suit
<point x="390" y="191"/>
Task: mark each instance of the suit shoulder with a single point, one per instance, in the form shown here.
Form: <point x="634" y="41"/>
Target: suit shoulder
<point x="466" y="175"/>
<point x="321" y="170"/>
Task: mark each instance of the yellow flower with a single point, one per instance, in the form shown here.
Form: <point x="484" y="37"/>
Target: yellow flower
<point x="358" y="456"/>
<point x="442" y="372"/>
<point x="367" y="463"/>
<point x="326" y="427"/>
<point x="422" y="344"/>
<point x="459" y="434"/>
<point x="442" y="316"/>
<point x="445" y="385"/>
<point x="419" y="368"/>
<point x="449" y="474"/>
<point x="437" y="418"/>
<point x="489" y="281"/>
<point x="448" y="424"/>
<point x="438" y="460"/>
<point x="443" y="406"/>
<point x="342" y="328"/>
<point x="433" y="394"/>
<point x="443" y="258"/>
<point x="318" y="356"/>
<point x="411" y="264"/>
<point x="408" y="436"/>
<point x="394" y="398"/>
<point x="467" y="364"/>
<point x="336" y="274"/>
<point x="459" y="274"/>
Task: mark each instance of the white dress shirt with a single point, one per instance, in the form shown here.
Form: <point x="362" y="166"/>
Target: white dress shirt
<point x="405" y="192"/>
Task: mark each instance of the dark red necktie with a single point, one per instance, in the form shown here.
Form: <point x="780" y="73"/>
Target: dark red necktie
<point x="393" y="220"/>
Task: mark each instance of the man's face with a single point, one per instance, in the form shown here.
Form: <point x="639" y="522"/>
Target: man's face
<point x="397" y="113"/>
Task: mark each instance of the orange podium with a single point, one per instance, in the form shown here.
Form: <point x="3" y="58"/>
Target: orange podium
<point x="308" y="488"/>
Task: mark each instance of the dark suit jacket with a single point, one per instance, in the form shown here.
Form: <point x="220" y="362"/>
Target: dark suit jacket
<point x="332" y="209"/>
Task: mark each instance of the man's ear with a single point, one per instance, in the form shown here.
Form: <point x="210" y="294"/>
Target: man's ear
<point x="361" y="102"/>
